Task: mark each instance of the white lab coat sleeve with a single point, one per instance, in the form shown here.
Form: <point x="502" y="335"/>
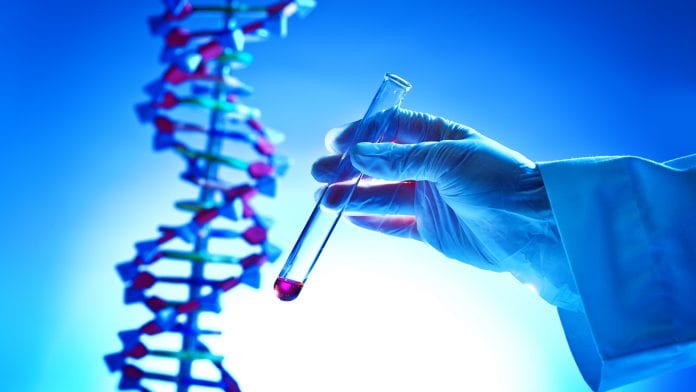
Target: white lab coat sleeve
<point x="628" y="227"/>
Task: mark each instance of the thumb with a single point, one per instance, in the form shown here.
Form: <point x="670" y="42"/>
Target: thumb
<point x="398" y="162"/>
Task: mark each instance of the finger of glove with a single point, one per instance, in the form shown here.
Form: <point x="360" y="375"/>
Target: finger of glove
<point x="384" y="199"/>
<point x="398" y="226"/>
<point x="399" y="162"/>
<point x="402" y="126"/>
<point x="326" y="169"/>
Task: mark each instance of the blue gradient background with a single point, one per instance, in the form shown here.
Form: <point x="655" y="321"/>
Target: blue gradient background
<point x="80" y="184"/>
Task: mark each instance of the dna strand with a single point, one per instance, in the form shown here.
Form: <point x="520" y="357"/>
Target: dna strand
<point x="200" y="86"/>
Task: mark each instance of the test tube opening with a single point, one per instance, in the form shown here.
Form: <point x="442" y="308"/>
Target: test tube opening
<point x="398" y="80"/>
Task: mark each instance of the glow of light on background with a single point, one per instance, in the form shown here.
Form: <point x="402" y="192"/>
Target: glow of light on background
<point x="377" y="314"/>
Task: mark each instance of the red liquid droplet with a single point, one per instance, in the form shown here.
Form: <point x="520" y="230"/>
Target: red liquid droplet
<point x="286" y="289"/>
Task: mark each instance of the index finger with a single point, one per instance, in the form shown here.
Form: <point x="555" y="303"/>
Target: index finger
<point x="400" y="126"/>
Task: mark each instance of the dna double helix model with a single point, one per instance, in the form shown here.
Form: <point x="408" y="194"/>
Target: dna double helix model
<point x="195" y="108"/>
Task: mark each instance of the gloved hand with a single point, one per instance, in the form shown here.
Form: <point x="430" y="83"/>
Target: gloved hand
<point x="466" y="195"/>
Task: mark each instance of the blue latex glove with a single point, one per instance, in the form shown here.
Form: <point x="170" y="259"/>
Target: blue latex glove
<point x="466" y="195"/>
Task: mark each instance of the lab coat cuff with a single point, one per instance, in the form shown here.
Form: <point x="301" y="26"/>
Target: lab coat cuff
<point x="634" y="321"/>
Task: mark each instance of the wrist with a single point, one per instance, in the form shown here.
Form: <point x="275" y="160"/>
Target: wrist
<point x="542" y="263"/>
<point x="532" y="193"/>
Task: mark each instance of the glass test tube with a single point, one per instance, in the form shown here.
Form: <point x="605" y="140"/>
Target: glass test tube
<point x="322" y="221"/>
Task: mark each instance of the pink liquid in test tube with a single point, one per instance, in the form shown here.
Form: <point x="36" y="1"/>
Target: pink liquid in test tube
<point x="287" y="289"/>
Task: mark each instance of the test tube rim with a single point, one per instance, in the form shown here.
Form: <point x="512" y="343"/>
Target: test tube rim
<point x="398" y="80"/>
